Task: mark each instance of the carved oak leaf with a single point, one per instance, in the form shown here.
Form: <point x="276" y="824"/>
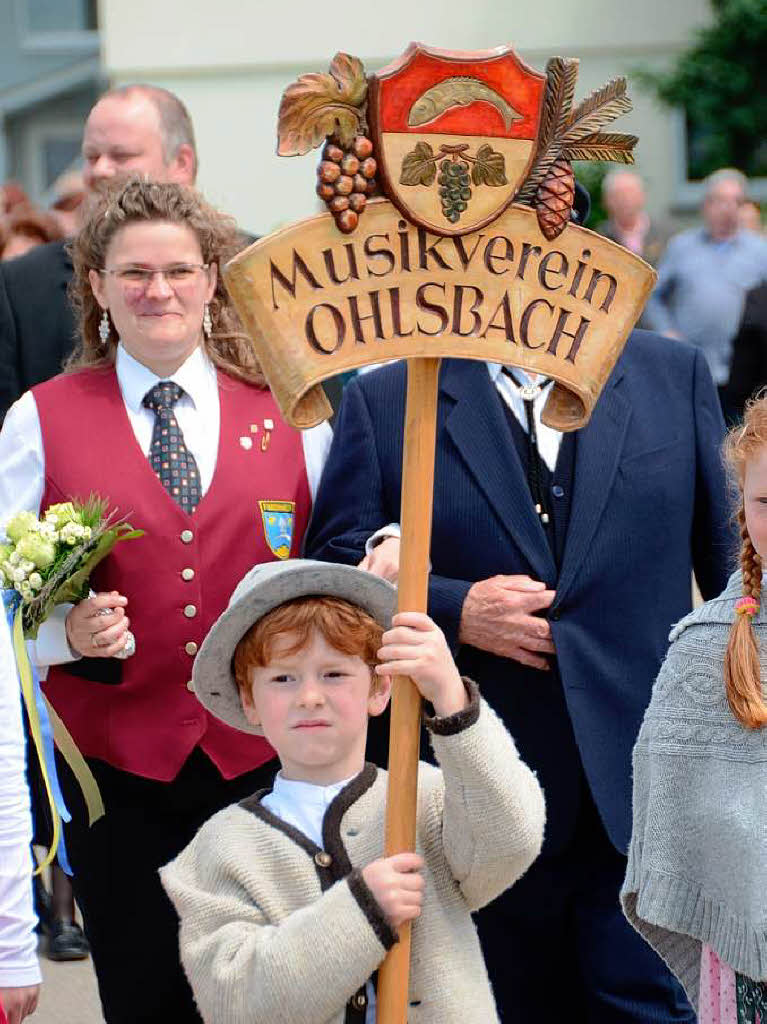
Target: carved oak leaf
<point x="489" y="167"/>
<point x="419" y="166"/>
<point x="318" y="105"/>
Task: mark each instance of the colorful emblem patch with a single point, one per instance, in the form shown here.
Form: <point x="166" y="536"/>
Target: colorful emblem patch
<point x="278" y="518"/>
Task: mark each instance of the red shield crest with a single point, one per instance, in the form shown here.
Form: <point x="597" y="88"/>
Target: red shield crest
<point x="455" y="133"/>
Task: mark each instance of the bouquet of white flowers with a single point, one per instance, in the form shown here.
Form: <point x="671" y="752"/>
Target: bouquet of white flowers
<point x="48" y="560"/>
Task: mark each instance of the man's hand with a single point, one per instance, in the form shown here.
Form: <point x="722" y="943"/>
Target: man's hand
<point x="93" y="635"/>
<point x="397" y="886"/>
<point x="383" y="560"/>
<point x="18" y="1003"/>
<point x="498" y="616"/>
<point x="416" y="647"/>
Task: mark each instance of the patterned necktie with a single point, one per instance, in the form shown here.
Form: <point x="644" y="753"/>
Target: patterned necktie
<point x="173" y="463"/>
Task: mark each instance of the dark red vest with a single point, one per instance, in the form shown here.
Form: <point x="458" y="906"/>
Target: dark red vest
<point x="149" y="723"/>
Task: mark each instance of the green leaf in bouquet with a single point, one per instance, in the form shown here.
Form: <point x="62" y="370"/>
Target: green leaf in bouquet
<point x="70" y="580"/>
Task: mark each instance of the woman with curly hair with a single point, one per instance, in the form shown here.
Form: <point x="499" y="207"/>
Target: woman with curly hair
<point x="164" y="413"/>
<point x="696" y="885"/>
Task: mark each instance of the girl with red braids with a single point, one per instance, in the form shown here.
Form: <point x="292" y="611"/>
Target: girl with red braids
<point x="696" y="885"/>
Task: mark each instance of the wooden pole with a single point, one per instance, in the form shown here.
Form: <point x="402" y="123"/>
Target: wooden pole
<point x="405" y="732"/>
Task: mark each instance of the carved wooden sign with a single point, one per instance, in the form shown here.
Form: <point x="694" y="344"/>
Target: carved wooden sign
<point x="452" y="268"/>
<point x="316" y="303"/>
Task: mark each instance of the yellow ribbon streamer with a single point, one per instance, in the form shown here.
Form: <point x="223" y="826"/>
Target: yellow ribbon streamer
<point x="62" y="739"/>
<point x="67" y="747"/>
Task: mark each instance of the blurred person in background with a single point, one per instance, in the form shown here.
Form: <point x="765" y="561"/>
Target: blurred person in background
<point x="628" y="222"/>
<point x="25" y="228"/>
<point x="750" y="216"/>
<point x="11" y="195"/>
<point x="704" y="276"/>
<point x="70" y="194"/>
<point x="19" y="969"/>
<point x="136" y="129"/>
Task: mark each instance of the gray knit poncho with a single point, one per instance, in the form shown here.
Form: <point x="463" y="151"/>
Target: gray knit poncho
<point x="697" y="868"/>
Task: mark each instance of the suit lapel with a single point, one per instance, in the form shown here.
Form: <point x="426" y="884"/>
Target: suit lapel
<point x="478" y="428"/>
<point x="598" y="449"/>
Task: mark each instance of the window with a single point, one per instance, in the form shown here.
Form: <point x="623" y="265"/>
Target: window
<point x="57" y="24"/>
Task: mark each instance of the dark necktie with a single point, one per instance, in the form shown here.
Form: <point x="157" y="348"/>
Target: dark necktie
<point x="169" y="457"/>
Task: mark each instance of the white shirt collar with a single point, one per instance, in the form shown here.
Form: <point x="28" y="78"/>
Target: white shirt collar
<point x="495" y="370"/>
<point x="195" y="375"/>
<point x="305" y="794"/>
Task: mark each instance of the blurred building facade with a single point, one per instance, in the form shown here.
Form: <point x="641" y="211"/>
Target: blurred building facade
<point x="230" y="61"/>
<point x="50" y="75"/>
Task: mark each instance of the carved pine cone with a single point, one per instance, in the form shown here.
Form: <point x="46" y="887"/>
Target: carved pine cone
<point x="554" y="199"/>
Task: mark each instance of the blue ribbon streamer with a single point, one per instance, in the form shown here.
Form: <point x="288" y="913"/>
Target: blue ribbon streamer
<point x="11" y="600"/>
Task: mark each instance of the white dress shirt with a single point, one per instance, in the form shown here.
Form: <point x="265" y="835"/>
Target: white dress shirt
<point x="303" y="805"/>
<point x="18" y="942"/>
<point x="198" y="412"/>
<point x="549" y="439"/>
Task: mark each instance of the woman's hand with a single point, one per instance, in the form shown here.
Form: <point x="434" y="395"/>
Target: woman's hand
<point x="18" y="1003"/>
<point x="93" y="635"/>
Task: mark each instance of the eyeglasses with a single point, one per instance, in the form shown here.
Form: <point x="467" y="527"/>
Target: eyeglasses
<point x="178" y="276"/>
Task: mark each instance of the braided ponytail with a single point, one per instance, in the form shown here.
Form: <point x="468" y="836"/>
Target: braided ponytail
<point x="742" y="668"/>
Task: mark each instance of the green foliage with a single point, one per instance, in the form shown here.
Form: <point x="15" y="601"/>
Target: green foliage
<point x="721" y="83"/>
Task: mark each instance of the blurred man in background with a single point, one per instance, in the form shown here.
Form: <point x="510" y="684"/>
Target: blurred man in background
<point x="136" y="129"/>
<point x="628" y="222"/>
<point x="704" y="276"/>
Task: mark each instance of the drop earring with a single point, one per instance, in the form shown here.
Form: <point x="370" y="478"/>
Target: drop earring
<point x="104" y="327"/>
<point x="207" y="323"/>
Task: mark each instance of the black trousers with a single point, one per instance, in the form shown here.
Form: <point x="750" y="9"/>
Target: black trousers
<point x="558" y="947"/>
<point x="130" y="922"/>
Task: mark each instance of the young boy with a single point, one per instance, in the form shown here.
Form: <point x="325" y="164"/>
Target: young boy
<point x="286" y="901"/>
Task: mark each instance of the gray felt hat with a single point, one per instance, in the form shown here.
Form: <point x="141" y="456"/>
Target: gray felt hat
<point x="261" y="589"/>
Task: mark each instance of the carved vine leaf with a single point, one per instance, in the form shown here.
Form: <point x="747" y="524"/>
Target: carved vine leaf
<point x="419" y="166"/>
<point x="318" y="105"/>
<point x="603" y="146"/>
<point x="489" y="167"/>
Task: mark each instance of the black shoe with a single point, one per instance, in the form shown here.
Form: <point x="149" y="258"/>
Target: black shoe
<point x="66" y="942"/>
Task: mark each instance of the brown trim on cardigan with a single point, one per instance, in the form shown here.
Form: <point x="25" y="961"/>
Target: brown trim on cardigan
<point x="372" y="911"/>
<point x="340" y="866"/>
<point x="463" y="719"/>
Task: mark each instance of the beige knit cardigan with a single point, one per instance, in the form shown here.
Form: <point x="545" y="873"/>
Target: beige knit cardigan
<point x="276" y="931"/>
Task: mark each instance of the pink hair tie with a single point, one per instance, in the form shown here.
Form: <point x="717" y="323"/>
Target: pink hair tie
<point x="746" y="606"/>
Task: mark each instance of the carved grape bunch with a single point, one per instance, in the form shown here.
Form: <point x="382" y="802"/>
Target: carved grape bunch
<point x="419" y="167"/>
<point x="454" y="188"/>
<point x="345" y="178"/>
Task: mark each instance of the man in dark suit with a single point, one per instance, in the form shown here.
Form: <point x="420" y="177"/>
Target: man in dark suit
<point x="562" y="617"/>
<point x="136" y="129"/>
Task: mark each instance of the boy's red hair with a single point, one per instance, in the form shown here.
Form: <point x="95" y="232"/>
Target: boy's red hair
<point x="345" y="626"/>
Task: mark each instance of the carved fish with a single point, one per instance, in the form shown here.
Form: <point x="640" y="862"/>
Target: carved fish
<point x="458" y="92"/>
